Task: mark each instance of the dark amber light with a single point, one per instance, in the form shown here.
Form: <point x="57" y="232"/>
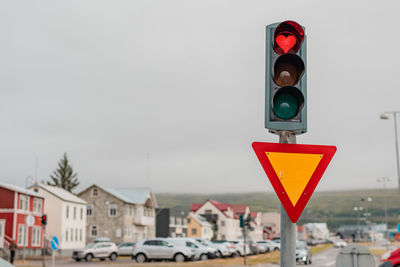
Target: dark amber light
<point x="288" y="69"/>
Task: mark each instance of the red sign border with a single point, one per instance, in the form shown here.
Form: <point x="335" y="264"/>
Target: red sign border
<point x="261" y="148"/>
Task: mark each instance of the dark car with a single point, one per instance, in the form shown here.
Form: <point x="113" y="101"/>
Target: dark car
<point x="391" y="258"/>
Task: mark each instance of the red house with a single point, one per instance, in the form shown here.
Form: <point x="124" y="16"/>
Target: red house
<point x="19" y="208"/>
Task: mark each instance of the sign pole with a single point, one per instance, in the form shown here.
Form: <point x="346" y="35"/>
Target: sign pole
<point x="52" y="258"/>
<point x="288" y="229"/>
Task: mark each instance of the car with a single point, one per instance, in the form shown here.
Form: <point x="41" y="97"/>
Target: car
<point x="160" y="249"/>
<point x="102" y="239"/>
<point x="391" y="258"/>
<point x="340" y="243"/>
<point x="201" y="252"/>
<point x="222" y="250"/>
<point x="232" y="250"/>
<point x="303" y="252"/>
<point x="259" y="247"/>
<point x="126" y="248"/>
<point x="271" y="245"/>
<point x="101" y="250"/>
<point x="239" y="246"/>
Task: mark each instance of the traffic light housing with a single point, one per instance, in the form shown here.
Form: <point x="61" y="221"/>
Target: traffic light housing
<point x="241" y="219"/>
<point x="44" y="219"/>
<point x="285" y="78"/>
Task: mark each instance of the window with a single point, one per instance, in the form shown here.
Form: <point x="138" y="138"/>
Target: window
<point x="194" y="231"/>
<point x="80" y="234"/>
<point x="66" y="235"/>
<point x="81" y="213"/>
<point x="185" y="222"/>
<point x="89" y="210"/>
<point x="208" y="211"/>
<point x="95" y="193"/>
<point x="72" y="234"/>
<point x="93" y="230"/>
<point x="135" y="211"/>
<point x="76" y="234"/>
<point x="222" y="223"/>
<point x="37" y="205"/>
<point x="36" y="236"/>
<point x="130" y="211"/>
<point x="74" y="213"/>
<point x="22" y="235"/>
<point x="171" y="220"/>
<point x="67" y="214"/>
<point x="112" y="210"/>
<point x="179" y="221"/>
<point x="188" y="220"/>
<point x="23" y="202"/>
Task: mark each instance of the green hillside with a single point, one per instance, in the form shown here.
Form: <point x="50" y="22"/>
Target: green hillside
<point x="335" y="208"/>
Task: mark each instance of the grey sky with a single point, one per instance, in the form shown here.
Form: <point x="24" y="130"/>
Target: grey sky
<point x="110" y="81"/>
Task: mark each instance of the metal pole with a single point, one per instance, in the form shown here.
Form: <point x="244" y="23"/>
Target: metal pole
<point x="244" y="250"/>
<point x="52" y="258"/>
<point x="288" y="229"/>
<point x="397" y="149"/>
<point x="44" y="248"/>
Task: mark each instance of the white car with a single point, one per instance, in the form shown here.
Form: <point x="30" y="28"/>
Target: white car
<point x="222" y="250"/>
<point x="125" y="248"/>
<point x="160" y="249"/>
<point x="272" y="246"/>
<point x="340" y="243"/>
<point x="101" y="250"/>
<point x="201" y="252"/>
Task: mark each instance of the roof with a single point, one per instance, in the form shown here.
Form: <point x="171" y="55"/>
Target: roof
<point x="201" y="220"/>
<point x="129" y="195"/>
<point x="20" y="190"/>
<point x="237" y="208"/>
<point x="61" y="193"/>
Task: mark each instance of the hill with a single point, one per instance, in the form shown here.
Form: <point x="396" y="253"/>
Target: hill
<point x="335" y="207"/>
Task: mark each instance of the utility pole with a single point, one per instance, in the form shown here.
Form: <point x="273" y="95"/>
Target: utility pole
<point x="44" y="247"/>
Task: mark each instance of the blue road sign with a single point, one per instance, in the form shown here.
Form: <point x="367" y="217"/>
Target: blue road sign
<point x="398" y="228"/>
<point x="54" y="243"/>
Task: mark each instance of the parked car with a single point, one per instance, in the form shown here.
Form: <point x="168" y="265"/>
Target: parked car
<point x="232" y="250"/>
<point x="340" y="243"/>
<point x="101" y="250"/>
<point x="239" y="245"/>
<point x="160" y="249"/>
<point x="303" y="252"/>
<point x="258" y="248"/>
<point x="222" y="250"/>
<point x="125" y="248"/>
<point x="200" y="251"/>
<point x="391" y="258"/>
<point x="272" y="246"/>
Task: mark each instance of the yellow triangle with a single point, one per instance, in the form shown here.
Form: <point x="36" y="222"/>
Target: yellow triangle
<point x="294" y="171"/>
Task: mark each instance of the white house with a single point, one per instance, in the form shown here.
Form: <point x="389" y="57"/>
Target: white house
<point x="66" y="217"/>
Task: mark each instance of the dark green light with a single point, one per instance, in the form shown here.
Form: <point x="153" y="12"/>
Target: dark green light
<point x="285" y="106"/>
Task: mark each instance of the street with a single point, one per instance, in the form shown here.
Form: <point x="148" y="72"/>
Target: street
<point x="325" y="258"/>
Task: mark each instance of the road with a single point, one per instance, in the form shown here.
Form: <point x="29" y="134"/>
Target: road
<point x="326" y="258"/>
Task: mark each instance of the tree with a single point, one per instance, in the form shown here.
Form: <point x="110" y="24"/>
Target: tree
<point x="64" y="176"/>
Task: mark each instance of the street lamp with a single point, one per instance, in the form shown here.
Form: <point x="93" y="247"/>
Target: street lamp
<point x="385" y="116"/>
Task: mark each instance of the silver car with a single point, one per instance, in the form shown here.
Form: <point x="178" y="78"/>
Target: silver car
<point x="160" y="249"/>
<point x="101" y="250"/>
<point x="222" y="250"/>
<point x="200" y="251"/>
<point x="125" y="248"/>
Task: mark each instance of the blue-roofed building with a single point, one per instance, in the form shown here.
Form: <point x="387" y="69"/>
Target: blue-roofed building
<point x="121" y="214"/>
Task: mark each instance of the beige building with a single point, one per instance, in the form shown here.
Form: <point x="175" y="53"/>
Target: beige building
<point x="66" y="217"/>
<point x="198" y="226"/>
<point x="122" y="215"/>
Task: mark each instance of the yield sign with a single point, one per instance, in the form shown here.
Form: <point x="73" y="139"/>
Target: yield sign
<point x="294" y="171"/>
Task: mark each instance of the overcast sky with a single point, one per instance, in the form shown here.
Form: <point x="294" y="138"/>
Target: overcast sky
<point x="110" y="82"/>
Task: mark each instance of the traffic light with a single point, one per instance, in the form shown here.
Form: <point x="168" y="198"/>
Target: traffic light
<point x="241" y="219"/>
<point x="285" y="78"/>
<point x="44" y="219"/>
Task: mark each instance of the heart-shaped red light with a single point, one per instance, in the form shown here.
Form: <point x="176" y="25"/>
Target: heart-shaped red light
<point x="286" y="42"/>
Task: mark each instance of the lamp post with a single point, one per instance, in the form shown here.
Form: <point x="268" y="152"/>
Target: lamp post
<point x="385" y="116"/>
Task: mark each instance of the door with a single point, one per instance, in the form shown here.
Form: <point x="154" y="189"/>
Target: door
<point x="2" y="233"/>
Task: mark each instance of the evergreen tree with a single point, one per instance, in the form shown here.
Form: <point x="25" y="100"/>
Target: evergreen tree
<point x="64" y="176"/>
